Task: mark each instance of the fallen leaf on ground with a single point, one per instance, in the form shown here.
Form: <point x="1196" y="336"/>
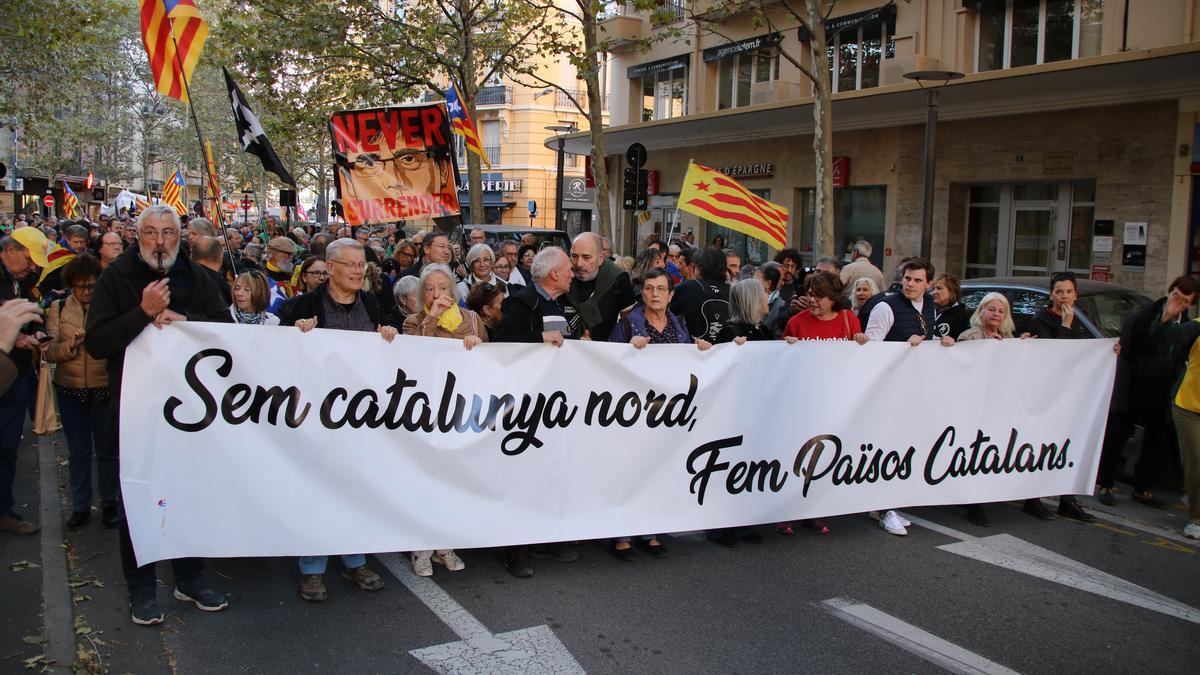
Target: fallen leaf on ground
<point x="22" y="565"/>
<point x="34" y="640"/>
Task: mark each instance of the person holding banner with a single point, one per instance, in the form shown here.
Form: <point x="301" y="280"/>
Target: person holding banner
<point x="600" y="292"/>
<point x="340" y="304"/>
<point x="151" y="284"/>
<point x="703" y="302"/>
<point x="1058" y="322"/>
<point x="651" y="323"/>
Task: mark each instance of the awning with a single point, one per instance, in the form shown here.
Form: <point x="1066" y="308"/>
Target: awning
<point x="1114" y="79"/>
<point x="752" y="44"/>
<point x="838" y="24"/>
<point x="672" y="63"/>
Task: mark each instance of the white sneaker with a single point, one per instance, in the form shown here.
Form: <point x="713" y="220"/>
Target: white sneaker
<point x="903" y="520"/>
<point x="893" y="523"/>
<point x="1192" y="531"/>
<point x="449" y="560"/>
<point x="422" y="567"/>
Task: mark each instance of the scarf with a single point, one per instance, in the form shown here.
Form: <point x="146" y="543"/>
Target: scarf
<point x="251" y="318"/>
<point x="450" y="319"/>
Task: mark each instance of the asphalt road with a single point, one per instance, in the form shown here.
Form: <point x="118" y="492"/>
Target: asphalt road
<point x="757" y="608"/>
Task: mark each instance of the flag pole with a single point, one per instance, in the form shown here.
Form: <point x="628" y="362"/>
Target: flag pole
<point x="675" y="217"/>
<point x="200" y="138"/>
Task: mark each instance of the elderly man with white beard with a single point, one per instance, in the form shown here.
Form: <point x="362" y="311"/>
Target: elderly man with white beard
<point x="152" y="284"/>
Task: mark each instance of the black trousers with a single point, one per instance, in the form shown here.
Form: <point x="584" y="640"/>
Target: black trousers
<point x="1158" y="445"/>
<point x="143" y="581"/>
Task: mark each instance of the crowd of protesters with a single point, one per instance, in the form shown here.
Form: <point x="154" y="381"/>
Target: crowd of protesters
<point x="77" y="293"/>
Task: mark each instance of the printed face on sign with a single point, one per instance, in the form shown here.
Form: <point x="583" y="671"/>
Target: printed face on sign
<point x="394" y="164"/>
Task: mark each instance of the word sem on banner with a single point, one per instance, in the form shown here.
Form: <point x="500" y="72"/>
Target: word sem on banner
<point x="308" y="432"/>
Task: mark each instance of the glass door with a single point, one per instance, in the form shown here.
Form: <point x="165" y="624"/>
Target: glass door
<point x="1032" y="230"/>
<point x="1029" y="229"/>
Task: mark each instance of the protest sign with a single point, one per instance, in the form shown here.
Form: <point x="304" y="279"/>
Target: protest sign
<point x="394" y="164"/>
<point x="262" y="441"/>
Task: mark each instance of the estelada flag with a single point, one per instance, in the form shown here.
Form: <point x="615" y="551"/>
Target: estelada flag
<point x="718" y="198"/>
<point x="173" y="33"/>
<point x="70" y="202"/>
<point x="462" y="125"/>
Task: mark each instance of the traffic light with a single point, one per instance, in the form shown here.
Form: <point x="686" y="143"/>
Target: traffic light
<point x="634" y="193"/>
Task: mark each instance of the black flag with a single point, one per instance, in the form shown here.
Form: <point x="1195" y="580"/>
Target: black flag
<point x="250" y="131"/>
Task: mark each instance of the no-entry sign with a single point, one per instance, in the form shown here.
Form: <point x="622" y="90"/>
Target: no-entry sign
<point x="48" y="200"/>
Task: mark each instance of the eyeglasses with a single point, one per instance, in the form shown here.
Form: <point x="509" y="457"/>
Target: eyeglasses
<point x="166" y="233"/>
<point x="318" y="274"/>
<point x="371" y="164"/>
<point x="654" y="290"/>
<point x="356" y="266"/>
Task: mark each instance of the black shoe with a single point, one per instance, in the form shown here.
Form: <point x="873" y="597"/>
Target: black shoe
<point x="752" y="537"/>
<point x="202" y="595"/>
<point x="78" y="519"/>
<point x="145" y="612"/>
<point x="518" y="565"/>
<point x="976" y="515"/>
<point x="110" y="517"/>
<point x="659" y="551"/>
<point x="559" y="552"/>
<point x="1037" y="509"/>
<point x="1071" y="508"/>
<point x="1107" y="497"/>
<point x="1148" y="499"/>
<point x="624" y="554"/>
<point x="724" y="538"/>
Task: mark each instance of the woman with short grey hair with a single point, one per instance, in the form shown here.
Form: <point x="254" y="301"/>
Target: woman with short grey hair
<point x="479" y="262"/>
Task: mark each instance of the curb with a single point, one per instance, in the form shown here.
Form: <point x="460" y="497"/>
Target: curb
<point x="56" y="595"/>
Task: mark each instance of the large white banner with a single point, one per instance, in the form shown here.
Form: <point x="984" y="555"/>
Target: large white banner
<point x="262" y="441"/>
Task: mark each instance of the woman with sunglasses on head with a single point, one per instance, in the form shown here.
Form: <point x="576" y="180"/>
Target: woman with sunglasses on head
<point x="1058" y="322"/>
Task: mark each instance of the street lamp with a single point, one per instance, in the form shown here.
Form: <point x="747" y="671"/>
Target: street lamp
<point x="936" y="80"/>
<point x="561" y="130"/>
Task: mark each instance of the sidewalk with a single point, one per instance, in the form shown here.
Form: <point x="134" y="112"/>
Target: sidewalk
<point x="20" y="585"/>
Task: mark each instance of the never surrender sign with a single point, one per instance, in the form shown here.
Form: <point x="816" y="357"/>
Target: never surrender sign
<point x="262" y="441"/>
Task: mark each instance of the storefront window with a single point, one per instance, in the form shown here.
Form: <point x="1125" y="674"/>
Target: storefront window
<point x="752" y="251"/>
<point x="736" y="72"/>
<point x="664" y="94"/>
<point x="856" y="55"/>
<point x="1013" y="33"/>
<point x="859" y="214"/>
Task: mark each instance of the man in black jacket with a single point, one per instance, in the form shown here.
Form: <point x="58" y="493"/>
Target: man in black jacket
<point x="532" y="314"/>
<point x="17" y="277"/>
<point x="1146" y="375"/>
<point x="151" y="284"/>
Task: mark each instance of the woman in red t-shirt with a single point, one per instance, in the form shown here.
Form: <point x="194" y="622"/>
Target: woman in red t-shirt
<point x="827" y="319"/>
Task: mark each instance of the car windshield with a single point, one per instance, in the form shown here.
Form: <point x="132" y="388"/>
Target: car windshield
<point x="1109" y="310"/>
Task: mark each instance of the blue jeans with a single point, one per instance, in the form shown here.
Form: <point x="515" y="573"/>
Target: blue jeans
<point x="87" y="426"/>
<point x="315" y="564"/>
<point x="14" y="405"/>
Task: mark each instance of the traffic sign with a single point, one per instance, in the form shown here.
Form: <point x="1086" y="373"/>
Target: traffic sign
<point x="246" y="204"/>
<point x="636" y="154"/>
<point x="48" y="200"/>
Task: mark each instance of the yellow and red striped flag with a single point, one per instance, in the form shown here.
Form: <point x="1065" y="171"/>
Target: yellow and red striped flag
<point x="462" y="124"/>
<point x="718" y="198"/>
<point x="168" y="27"/>
<point x="172" y="194"/>
<point x="70" y="201"/>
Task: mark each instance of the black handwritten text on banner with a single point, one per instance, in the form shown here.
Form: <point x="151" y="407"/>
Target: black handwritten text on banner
<point x="261" y="441"/>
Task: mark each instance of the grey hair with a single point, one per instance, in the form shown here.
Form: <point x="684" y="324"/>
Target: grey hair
<point x="9" y="242"/>
<point x="252" y="251"/>
<point x="203" y="227"/>
<point x="404" y="287"/>
<point x="76" y="230"/>
<point x="438" y="268"/>
<point x="545" y="261"/>
<point x="158" y="211"/>
<point x="837" y="263"/>
<point x="477" y="251"/>
<point x="863" y="248"/>
<point x="854" y="287"/>
<point x="340" y="244"/>
<point x="745" y="301"/>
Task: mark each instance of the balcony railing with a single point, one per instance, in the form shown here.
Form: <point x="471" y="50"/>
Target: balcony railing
<point x="494" y="96"/>
<point x="492" y="152"/>
<point x="580" y="95"/>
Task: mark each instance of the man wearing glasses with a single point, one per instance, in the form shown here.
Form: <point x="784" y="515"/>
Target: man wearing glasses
<point x="340" y="304"/>
<point x="435" y="248"/>
<point x="412" y="183"/>
<point x="151" y="284"/>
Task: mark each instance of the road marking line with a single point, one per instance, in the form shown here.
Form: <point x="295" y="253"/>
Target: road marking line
<point x="1148" y="529"/>
<point x="942" y="529"/>
<point x="1118" y="530"/>
<point x="911" y="639"/>
<point x="1169" y="545"/>
<point x="528" y="650"/>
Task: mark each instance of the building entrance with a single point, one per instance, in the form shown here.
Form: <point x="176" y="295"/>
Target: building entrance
<point x="1029" y="229"/>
